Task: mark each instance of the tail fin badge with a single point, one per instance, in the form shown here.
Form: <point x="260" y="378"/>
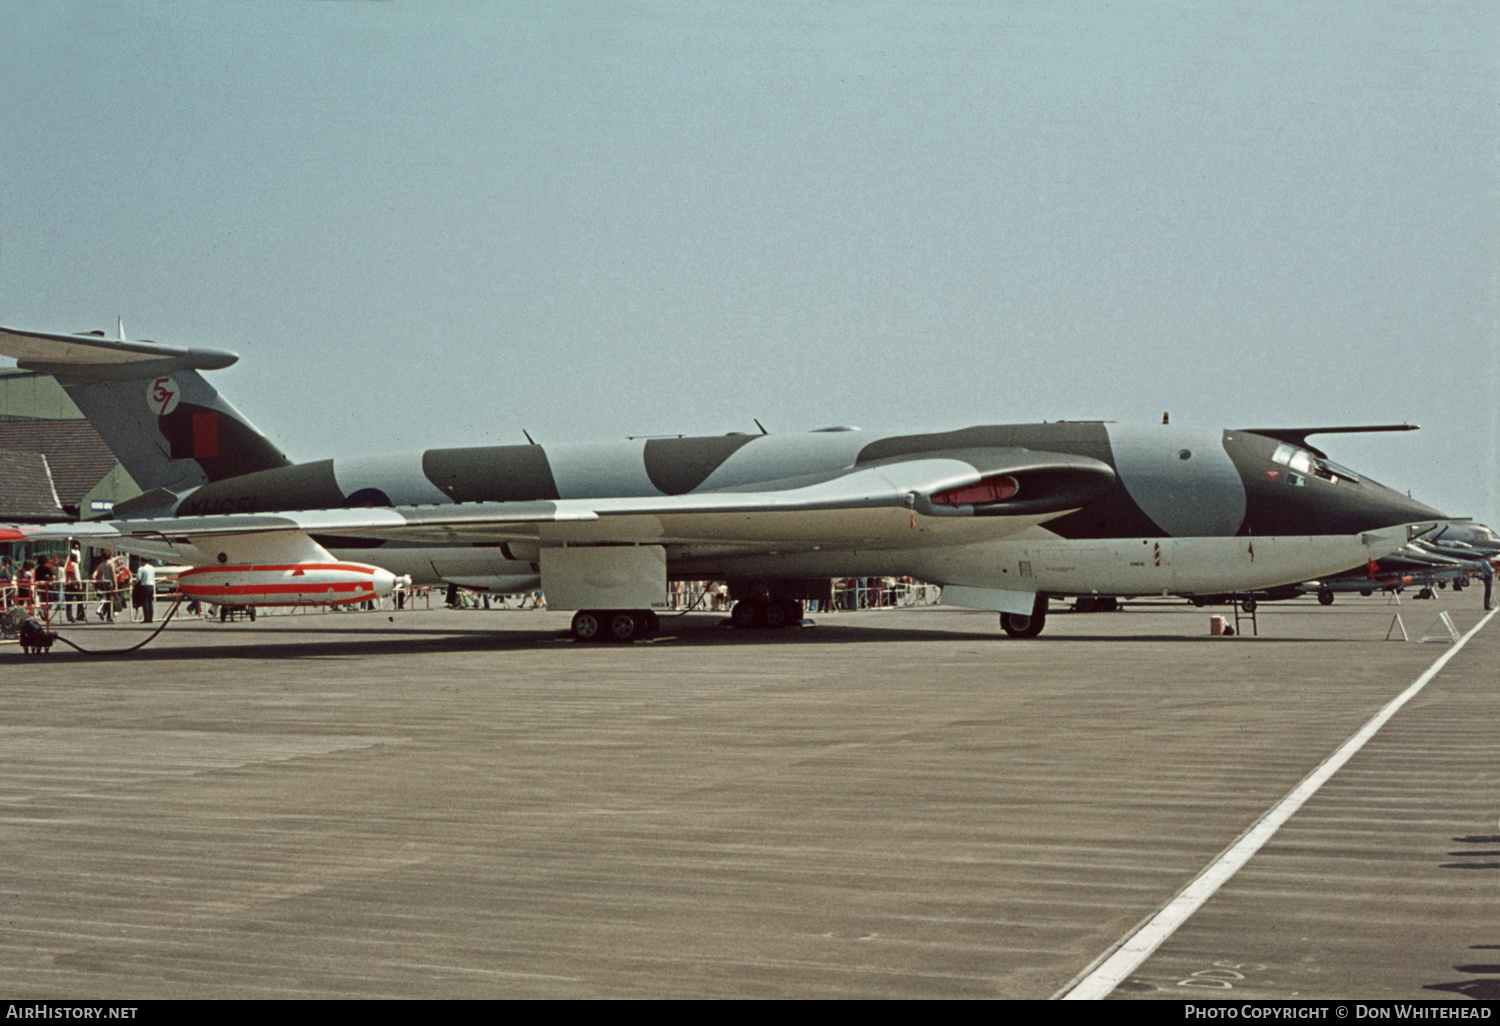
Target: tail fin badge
<point x="162" y="395"/>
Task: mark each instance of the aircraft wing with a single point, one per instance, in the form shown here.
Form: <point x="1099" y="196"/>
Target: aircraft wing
<point x="863" y="505"/>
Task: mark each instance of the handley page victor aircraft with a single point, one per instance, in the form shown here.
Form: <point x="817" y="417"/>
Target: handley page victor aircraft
<point x="1003" y="517"/>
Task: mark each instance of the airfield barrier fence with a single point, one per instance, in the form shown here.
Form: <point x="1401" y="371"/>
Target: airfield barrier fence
<point x="46" y="601"/>
<point x="856" y="593"/>
<point x="844" y="594"/>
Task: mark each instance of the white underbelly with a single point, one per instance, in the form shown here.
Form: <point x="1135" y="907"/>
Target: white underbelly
<point x="1151" y="566"/>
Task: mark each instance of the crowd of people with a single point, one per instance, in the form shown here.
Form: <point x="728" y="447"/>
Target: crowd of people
<point x="51" y="584"/>
<point x="844" y="593"/>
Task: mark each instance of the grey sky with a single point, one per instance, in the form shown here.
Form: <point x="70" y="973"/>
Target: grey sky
<point x="435" y="224"/>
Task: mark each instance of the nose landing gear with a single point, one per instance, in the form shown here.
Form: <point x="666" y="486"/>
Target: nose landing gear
<point x="1021" y="625"/>
<point x="1026" y="625"/>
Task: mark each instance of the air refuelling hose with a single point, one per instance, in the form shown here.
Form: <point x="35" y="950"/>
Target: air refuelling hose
<point x="132" y="648"/>
<point x="173" y="610"/>
<point x="690" y="608"/>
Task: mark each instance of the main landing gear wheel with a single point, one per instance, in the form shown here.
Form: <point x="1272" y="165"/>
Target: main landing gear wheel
<point x="587" y="625"/>
<point x="763" y="613"/>
<point x="780" y="614"/>
<point x="745" y="613"/>
<point x="624" y="627"/>
<point x="614" y="624"/>
<point x="1249" y="604"/>
<point x="1325" y="596"/>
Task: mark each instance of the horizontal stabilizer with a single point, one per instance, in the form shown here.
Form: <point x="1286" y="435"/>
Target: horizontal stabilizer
<point x="93" y="356"/>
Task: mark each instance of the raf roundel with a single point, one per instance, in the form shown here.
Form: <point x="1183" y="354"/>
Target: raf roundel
<point x="162" y="395"/>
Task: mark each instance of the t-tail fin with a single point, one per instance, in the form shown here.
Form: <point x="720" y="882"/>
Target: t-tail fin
<point x="167" y="426"/>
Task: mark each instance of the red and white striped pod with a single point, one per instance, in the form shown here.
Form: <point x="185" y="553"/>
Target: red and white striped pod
<point x="289" y="584"/>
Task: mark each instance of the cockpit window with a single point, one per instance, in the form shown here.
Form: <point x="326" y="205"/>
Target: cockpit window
<point x="1340" y="472"/>
<point x="1305" y="463"/>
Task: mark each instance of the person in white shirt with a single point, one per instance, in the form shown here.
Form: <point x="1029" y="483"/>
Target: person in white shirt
<point x="146" y="582"/>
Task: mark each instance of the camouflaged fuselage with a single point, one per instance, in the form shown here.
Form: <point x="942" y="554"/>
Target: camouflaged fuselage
<point x="1167" y="481"/>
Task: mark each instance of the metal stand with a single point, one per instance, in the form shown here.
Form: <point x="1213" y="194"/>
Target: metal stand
<point x="1254" y="624"/>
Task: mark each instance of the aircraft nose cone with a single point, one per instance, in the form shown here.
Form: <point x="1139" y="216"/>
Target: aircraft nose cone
<point x="1402" y="509"/>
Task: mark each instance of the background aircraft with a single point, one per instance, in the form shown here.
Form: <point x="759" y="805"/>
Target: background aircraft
<point x="1451" y="554"/>
<point x="1002" y="516"/>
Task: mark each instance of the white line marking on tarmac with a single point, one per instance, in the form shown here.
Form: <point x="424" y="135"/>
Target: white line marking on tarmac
<point x="1100" y="979"/>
